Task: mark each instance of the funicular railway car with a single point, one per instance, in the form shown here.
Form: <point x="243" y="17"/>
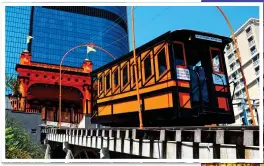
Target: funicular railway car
<point x="182" y="81"/>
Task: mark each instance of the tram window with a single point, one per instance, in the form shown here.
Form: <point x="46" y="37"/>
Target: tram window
<point x="107" y="80"/>
<point x="125" y="75"/>
<point x="133" y="75"/>
<point x="162" y="61"/>
<point x="147" y="67"/>
<point x="179" y="54"/>
<point x="216" y="62"/>
<point x="116" y="81"/>
<point x="101" y="84"/>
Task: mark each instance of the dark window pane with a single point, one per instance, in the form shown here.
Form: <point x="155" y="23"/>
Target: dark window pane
<point x="178" y="54"/>
<point x="101" y="84"/>
<point x="107" y="81"/>
<point x="162" y="61"/>
<point x="116" y="83"/>
<point x="125" y="76"/>
<point x="147" y="67"/>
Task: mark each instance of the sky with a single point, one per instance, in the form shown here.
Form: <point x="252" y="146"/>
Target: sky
<point x="153" y="21"/>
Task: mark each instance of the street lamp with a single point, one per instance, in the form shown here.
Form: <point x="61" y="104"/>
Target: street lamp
<point x="83" y="45"/>
<point x="239" y="61"/>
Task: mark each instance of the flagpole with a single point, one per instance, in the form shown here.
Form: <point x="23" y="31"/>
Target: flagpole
<point x="86" y="45"/>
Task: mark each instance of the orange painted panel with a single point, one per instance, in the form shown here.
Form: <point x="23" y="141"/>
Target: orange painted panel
<point x="157" y="102"/>
<point x="221" y="88"/>
<point x="222" y="102"/>
<point x="185" y="101"/>
<point x="124" y="107"/>
<point x="104" y="110"/>
<point x="184" y="84"/>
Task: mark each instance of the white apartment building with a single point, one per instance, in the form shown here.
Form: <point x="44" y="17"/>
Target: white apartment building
<point x="248" y="45"/>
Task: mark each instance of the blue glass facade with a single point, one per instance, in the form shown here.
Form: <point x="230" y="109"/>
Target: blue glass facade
<point x="55" y="30"/>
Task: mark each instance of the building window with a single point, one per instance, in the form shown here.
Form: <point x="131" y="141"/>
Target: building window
<point x="251" y="41"/>
<point x="162" y="61"/>
<point x="179" y="54"/>
<point x="107" y="80"/>
<point x="253" y="50"/>
<point x="147" y="67"/>
<point x="125" y="75"/>
<point x="257" y="70"/>
<point x="248" y="30"/>
<point x="228" y="47"/>
<point x="33" y="131"/>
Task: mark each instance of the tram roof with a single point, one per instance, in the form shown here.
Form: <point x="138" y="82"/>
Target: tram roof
<point x="183" y="34"/>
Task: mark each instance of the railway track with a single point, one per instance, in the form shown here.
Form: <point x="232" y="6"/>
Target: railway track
<point x="241" y="141"/>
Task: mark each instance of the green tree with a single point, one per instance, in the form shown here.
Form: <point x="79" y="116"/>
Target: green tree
<point x="12" y="83"/>
<point x="18" y="143"/>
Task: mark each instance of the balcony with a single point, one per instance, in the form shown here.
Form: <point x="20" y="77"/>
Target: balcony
<point x="250" y="43"/>
<point x="256" y="63"/>
<point x="253" y="51"/>
<point x="232" y="59"/>
<point x="257" y="73"/>
<point x="249" y="33"/>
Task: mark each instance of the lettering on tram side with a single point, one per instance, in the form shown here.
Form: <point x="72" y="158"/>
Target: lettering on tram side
<point x="183" y="74"/>
<point x="208" y="38"/>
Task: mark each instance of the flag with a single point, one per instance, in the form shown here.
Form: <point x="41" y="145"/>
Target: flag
<point x="29" y="38"/>
<point x="89" y="49"/>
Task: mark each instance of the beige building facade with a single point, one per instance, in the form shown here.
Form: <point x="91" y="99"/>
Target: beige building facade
<point x="248" y="45"/>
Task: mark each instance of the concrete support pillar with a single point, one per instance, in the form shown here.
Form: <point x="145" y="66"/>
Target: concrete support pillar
<point x="66" y="148"/>
<point x="48" y="150"/>
<point x="104" y="153"/>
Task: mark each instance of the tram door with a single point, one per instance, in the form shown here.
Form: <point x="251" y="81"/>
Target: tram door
<point x="199" y="71"/>
<point x="208" y="81"/>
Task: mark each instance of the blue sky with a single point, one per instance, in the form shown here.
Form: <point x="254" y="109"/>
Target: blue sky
<point x="153" y="21"/>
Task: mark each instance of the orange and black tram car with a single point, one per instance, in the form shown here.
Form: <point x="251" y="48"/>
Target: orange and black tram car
<point x="182" y="81"/>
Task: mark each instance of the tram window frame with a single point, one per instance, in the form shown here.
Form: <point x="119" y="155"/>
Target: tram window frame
<point x="107" y="82"/>
<point x="115" y="78"/>
<point x="100" y="84"/>
<point x="164" y="59"/>
<point x="123" y="82"/>
<point x="147" y="57"/>
<point x="133" y="75"/>
<point x="220" y="60"/>
<point x="184" y="65"/>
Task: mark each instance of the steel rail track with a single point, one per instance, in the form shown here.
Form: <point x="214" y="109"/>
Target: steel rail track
<point x="238" y="128"/>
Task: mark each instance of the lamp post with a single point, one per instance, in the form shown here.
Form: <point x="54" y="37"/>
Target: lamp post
<point x="136" y="74"/>
<point x="86" y="45"/>
<point x="239" y="61"/>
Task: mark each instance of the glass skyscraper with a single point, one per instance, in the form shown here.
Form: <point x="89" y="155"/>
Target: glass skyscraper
<point x="57" y="29"/>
